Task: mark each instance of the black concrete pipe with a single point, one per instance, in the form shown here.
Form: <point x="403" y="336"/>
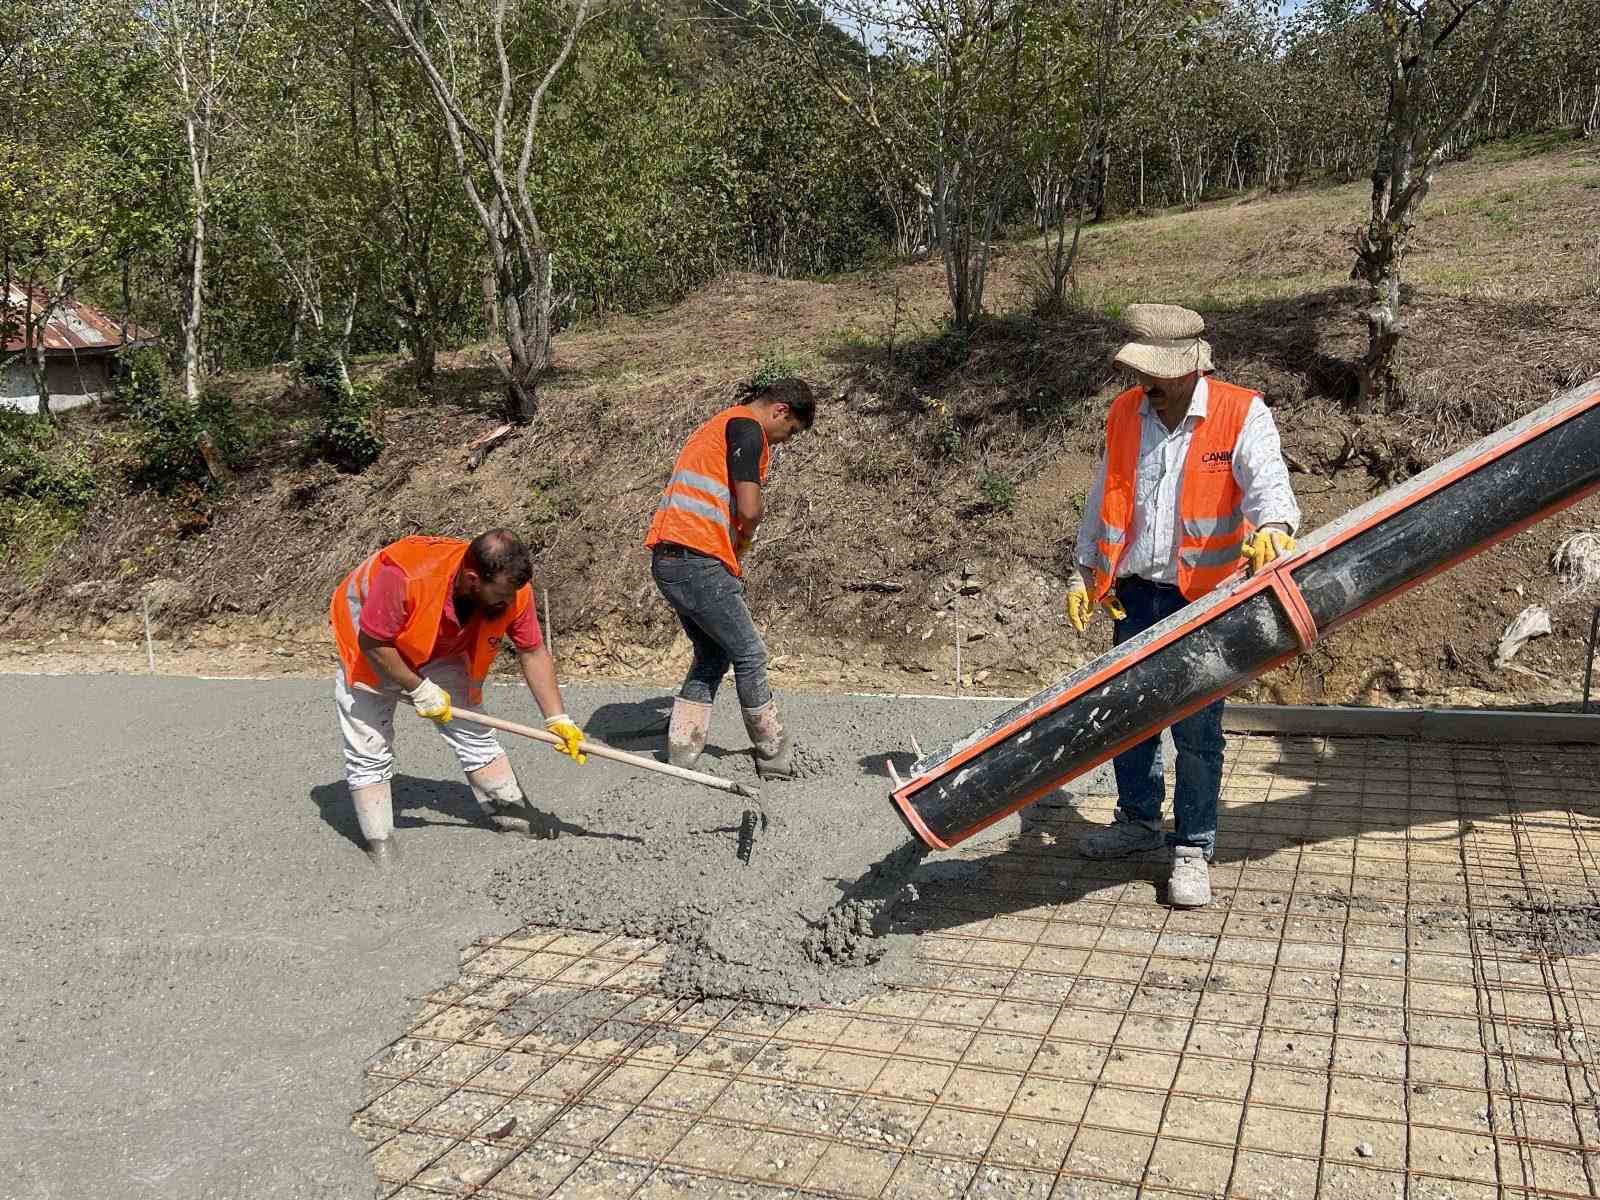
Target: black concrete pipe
<point x="1489" y="491"/>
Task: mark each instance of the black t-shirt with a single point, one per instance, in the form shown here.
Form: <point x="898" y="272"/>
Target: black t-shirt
<point x="745" y="442"/>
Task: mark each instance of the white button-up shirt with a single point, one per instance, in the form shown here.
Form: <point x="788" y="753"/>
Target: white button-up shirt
<point x="1152" y="551"/>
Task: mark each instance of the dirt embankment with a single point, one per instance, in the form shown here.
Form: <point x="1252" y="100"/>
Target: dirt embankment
<point x="935" y="504"/>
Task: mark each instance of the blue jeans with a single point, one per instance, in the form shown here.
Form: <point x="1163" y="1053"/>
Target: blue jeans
<point x="1141" y="787"/>
<point x="709" y="601"/>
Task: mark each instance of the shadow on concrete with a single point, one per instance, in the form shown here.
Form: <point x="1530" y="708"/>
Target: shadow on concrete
<point x="420" y="803"/>
<point x="1334" y="802"/>
<point x="874" y="764"/>
<point x="633" y="725"/>
<point x="640" y="727"/>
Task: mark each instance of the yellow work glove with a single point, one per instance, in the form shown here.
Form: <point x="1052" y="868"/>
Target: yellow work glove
<point x="561" y="725"/>
<point x="431" y="701"/>
<point x="1266" y="545"/>
<point x="1080" y="608"/>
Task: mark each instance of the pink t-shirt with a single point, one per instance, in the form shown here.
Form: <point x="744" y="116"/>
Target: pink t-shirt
<point x="383" y="616"/>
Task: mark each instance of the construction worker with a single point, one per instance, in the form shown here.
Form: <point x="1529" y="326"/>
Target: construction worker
<point x="1192" y="482"/>
<point x="702" y="529"/>
<point x="423" y="619"/>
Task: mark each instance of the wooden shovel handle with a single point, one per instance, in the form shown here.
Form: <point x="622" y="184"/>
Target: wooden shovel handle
<point x="600" y="750"/>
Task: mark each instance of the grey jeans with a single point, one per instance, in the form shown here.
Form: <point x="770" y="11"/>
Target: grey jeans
<point x="709" y="600"/>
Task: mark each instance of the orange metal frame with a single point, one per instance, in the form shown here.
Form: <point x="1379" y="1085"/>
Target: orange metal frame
<point x="1276" y="579"/>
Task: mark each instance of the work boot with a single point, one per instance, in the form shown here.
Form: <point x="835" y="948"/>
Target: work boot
<point x="502" y="802"/>
<point x="686" y="732"/>
<point x="1190" y="883"/>
<point x="384" y="852"/>
<point x="375" y="814"/>
<point x="1120" y="839"/>
<point x="773" y="746"/>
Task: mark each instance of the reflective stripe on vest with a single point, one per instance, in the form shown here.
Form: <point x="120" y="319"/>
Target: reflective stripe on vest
<point x="696" y="507"/>
<point x="1211" y="518"/>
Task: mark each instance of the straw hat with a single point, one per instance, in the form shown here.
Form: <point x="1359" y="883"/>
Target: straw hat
<point x="1167" y="342"/>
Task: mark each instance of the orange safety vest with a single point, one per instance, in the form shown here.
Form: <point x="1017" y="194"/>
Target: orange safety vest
<point x="697" y="509"/>
<point x="1210" y="501"/>
<point x="430" y="565"/>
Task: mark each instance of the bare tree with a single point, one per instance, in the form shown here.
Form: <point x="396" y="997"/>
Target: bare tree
<point x="1099" y="56"/>
<point x="1421" y="121"/>
<point x="943" y="88"/>
<point x="494" y="155"/>
<point x="202" y="44"/>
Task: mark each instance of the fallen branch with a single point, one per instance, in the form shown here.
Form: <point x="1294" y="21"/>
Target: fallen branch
<point x="479" y="448"/>
<point x="875" y="585"/>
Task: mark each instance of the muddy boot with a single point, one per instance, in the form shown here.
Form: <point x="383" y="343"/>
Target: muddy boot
<point x="773" y="745"/>
<point x="375" y="814"/>
<point x="502" y="802"/>
<point x="686" y="732"/>
<point x="384" y="852"/>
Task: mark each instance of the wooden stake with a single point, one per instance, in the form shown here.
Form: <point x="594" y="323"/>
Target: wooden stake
<point x="149" y="646"/>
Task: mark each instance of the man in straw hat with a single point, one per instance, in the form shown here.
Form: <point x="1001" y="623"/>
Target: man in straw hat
<point x="1191" y="483"/>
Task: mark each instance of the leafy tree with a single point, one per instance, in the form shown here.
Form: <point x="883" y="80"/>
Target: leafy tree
<point x="943" y="91"/>
<point x="1426" y="111"/>
<point x="498" y="65"/>
<point x="211" y="50"/>
<point x="68" y="196"/>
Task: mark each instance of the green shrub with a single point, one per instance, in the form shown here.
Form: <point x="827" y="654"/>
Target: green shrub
<point x="31" y="532"/>
<point x="27" y="472"/>
<point x="999" y="493"/>
<point x="944" y="434"/>
<point x="773" y="366"/>
<point x="347" y="438"/>
<point x="142" y="377"/>
<point x="170" y="428"/>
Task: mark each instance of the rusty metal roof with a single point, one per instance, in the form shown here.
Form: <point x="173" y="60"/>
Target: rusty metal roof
<point x="76" y="326"/>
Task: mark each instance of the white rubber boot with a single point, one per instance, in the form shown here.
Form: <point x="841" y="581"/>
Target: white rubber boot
<point x="687" y="731"/>
<point x="375" y="813"/>
<point x="502" y="801"/>
<point x="774" y="748"/>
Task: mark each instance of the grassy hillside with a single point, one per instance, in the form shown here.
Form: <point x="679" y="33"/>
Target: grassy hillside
<point x="944" y="480"/>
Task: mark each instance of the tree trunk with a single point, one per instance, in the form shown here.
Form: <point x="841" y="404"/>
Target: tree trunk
<point x="1380" y="251"/>
<point x="127" y="297"/>
<point x="1102" y="183"/>
<point x="41" y="376"/>
<point x="424" y="356"/>
<point x="525" y="314"/>
<point x="194" y="305"/>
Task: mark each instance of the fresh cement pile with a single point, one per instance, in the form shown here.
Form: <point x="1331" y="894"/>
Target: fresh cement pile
<point x="820" y="912"/>
<point x="808" y="919"/>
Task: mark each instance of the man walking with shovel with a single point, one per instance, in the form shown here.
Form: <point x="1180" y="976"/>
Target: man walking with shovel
<point x="703" y="526"/>
<point x="422" y="619"/>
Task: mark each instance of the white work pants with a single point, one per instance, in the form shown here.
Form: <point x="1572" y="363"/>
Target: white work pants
<point x="366" y="723"/>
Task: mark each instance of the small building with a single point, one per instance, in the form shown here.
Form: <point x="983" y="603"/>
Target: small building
<point x="80" y="348"/>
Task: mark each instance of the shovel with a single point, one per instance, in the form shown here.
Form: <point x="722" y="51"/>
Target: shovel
<point x="603" y="751"/>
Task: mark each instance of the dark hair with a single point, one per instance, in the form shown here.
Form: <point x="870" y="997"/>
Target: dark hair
<point x="794" y="392"/>
<point x="500" y="554"/>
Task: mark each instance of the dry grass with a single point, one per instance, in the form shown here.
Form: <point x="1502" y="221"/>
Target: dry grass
<point x="1577" y="564"/>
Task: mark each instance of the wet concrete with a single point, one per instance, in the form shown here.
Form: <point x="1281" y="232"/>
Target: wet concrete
<point x="197" y="959"/>
<point x="1543" y="926"/>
